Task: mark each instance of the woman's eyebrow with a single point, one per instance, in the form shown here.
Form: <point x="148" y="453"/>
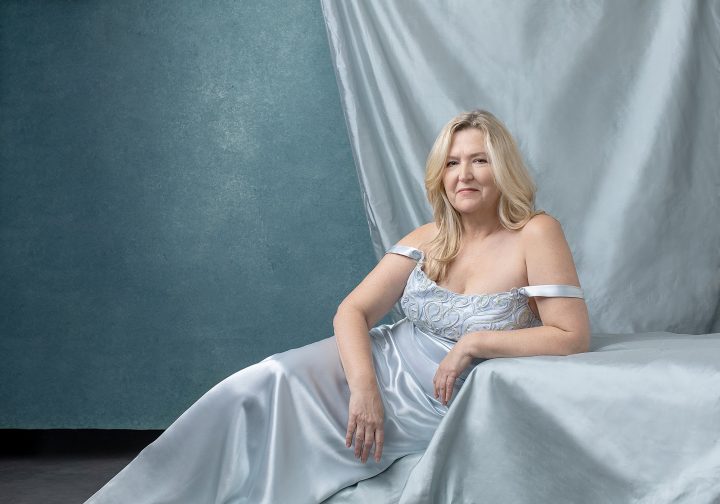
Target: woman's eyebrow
<point x="471" y="155"/>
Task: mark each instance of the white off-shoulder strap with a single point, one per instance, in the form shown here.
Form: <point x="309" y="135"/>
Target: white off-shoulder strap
<point x="529" y="291"/>
<point x="552" y="291"/>
<point x="407" y="251"/>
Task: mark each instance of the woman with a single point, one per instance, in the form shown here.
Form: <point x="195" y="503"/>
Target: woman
<point x="272" y="432"/>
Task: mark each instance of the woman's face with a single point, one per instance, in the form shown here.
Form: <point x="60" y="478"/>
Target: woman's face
<point x="467" y="176"/>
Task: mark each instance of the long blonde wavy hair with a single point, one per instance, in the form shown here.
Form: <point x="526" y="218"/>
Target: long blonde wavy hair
<point x="517" y="189"/>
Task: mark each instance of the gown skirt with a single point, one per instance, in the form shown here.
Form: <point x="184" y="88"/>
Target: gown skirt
<point x="274" y="432"/>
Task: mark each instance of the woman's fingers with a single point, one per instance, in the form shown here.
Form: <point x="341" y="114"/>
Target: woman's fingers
<point x="367" y="445"/>
<point x="439" y="384"/>
<point x="379" y="441"/>
<point x="444" y="387"/>
<point x="365" y="437"/>
<point x="359" y="440"/>
<point x="365" y="424"/>
<point x="449" y="384"/>
<point x="352" y="423"/>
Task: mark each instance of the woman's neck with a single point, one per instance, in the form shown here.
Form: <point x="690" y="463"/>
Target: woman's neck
<point x="480" y="228"/>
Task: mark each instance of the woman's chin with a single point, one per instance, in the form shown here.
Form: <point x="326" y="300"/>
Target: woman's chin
<point x="465" y="208"/>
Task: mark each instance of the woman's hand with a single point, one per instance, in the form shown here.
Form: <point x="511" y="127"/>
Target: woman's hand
<point x="454" y="363"/>
<point x="366" y="420"/>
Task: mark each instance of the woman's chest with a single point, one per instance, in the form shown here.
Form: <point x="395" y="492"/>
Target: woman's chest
<point x="494" y="269"/>
<point x="437" y="310"/>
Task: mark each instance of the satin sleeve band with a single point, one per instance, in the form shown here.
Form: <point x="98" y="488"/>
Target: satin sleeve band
<point x="552" y="291"/>
<point x="410" y="252"/>
<point x="529" y="291"/>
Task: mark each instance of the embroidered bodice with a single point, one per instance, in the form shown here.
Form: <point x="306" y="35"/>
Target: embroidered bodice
<point x="439" y="311"/>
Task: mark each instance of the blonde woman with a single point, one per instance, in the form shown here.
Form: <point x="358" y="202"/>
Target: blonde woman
<point x="489" y="277"/>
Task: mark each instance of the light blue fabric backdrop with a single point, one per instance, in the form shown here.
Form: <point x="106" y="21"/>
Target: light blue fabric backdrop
<point x="616" y="107"/>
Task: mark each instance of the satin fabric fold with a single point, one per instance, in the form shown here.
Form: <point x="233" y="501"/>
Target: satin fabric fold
<point x="635" y="420"/>
<point x="615" y="107"/>
<point x="275" y="431"/>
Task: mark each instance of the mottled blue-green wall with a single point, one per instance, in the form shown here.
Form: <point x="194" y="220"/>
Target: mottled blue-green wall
<point x="178" y="201"/>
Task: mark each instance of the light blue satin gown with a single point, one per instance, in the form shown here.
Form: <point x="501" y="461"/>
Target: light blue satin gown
<point x="274" y="432"/>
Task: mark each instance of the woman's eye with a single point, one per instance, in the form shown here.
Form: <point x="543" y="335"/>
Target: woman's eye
<point x="479" y="160"/>
<point x="451" y="163"/>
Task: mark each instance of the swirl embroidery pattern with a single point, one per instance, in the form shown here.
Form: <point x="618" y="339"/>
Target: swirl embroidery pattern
<point x="448" y="314"/>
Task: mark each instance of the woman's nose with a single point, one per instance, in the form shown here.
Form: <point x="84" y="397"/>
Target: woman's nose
<point x="465" y="171"/>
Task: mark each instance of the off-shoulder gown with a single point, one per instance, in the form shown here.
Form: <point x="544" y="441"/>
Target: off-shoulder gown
<point x="274" y="432"/>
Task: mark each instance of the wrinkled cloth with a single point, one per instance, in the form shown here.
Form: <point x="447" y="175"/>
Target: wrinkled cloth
<point x="274" y="432"/>
<point x="635" y="420"/>
<point x="616" y="110"/>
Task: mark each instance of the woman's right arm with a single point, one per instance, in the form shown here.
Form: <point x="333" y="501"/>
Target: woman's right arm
<point x="371" y="300"/>
<point x="361" y="310"/>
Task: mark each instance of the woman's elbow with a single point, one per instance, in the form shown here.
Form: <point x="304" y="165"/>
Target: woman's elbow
<point x="578" y="342"/>
<point x="346" y="310"/>
<point x="340" y="312"/>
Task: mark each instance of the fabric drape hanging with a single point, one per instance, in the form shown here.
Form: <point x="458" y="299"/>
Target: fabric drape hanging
<point x="616" y="108"/>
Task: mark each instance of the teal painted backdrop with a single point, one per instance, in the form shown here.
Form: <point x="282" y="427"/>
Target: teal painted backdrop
<point x="178" y="201"/>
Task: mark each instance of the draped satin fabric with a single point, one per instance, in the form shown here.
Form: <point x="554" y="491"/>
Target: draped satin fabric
<point x="635" y="420"/>
<point x="616" y="109"/>
<point x="274" y="432"/>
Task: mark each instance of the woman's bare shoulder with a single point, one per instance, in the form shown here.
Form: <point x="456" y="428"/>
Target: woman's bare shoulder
<point x="547" y="253"/>
<point x="420" y="236"/>
<point x="541" y="227"/>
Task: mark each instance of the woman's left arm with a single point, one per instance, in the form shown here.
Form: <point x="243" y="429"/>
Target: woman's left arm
<point x="566" y="325"/>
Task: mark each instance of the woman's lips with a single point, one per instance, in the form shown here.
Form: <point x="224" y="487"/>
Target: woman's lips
<point x="466" y="190"/>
